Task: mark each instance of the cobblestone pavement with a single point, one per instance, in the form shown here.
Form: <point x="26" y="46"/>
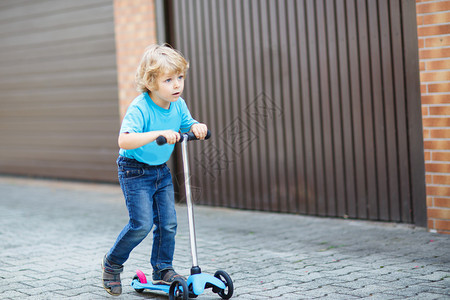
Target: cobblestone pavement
<point x="54" y="234"/>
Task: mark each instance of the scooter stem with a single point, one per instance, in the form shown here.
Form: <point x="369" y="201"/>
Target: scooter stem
<point x="190" y="208"/>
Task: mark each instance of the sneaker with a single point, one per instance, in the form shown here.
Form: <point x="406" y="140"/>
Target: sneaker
<point x="111" y="277"/>
<point x="166" y="276"/>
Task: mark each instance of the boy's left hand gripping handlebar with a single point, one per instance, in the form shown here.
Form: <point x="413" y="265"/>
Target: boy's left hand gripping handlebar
<point x="160" y="140"/>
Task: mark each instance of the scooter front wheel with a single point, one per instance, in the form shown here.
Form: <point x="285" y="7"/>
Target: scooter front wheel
<point x="178" y="290"/>
<point x="229" y="288"/>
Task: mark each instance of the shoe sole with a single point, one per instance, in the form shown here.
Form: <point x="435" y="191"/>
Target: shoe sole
<point x="160" y="282"/>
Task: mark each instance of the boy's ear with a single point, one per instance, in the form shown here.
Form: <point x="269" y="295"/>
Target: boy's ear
<point x="151" y="86"/>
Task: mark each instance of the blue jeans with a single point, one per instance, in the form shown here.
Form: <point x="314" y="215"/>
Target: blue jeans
<point x="149" y="197"/>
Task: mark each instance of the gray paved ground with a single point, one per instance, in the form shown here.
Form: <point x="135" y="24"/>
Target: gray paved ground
<point x="54" y="234"/>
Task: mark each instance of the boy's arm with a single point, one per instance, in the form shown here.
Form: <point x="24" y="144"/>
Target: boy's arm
<point x="133" y="140"/>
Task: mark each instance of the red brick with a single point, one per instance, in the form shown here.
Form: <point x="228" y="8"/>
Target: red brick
<point x="442" y="202"/>
<point x="437" y="168"/>
<point x="440" y="156"/>
<point x="425" y="111"/>
<point x="421" y="43"/>
<point x="439" y="87"/>
<point x="435" y="99"/>
<point x="433" y="30"/>
<point x="423" y="8"/>
<point x="419" y="20"/>
<point x="442" y="225"/>
<point x="422" y="66"/>
<point x="434" y="53"/>
<point x="436" y="122"/>
<point x="437" y="145"/>
<point x="439" y="134"/>
<point x="438" y="65"/>
<point x="437" y="213"/>
<point x="423" y="88"/>
<point x="434" y="76"/>
<point x="441" y="179"/>
<point x="435" y="18"/>
<point x="439" y="110"/>
<point x="440" y="41"/>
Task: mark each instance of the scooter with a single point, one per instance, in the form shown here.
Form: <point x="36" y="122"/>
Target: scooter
<point x="197" y="282"/>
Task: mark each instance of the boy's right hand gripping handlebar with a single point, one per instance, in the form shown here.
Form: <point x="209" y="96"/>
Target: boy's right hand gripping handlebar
<point x="160" y="140"/>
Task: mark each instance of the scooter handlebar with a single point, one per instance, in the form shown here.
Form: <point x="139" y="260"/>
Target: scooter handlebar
<point x="160" y="140"/>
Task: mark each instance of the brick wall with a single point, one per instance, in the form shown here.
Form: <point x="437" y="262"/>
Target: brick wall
<point x="135" y="27"/>
<point x="433" y="20"/>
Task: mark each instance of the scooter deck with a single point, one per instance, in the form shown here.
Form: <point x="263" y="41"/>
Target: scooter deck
<point x="150" y="286"/>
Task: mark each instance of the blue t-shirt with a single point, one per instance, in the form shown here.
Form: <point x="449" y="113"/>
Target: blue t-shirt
<point x="143" y="115"/>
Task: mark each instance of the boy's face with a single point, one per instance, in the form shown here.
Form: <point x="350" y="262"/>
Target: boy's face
<point x="168" y="89"/>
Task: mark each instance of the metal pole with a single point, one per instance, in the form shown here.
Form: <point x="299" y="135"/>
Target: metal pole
<point x="190" y="208"/>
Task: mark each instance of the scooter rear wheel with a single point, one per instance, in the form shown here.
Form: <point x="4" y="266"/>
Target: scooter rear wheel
<point x="178" y="290"/>
<point x="229" y="288"/>
<point x="138" y="279"/>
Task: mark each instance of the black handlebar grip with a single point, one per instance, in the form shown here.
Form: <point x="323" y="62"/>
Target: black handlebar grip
<point x="208" y="135"/>
<point x="160" y="140"/>
<point x="191" y="136"/>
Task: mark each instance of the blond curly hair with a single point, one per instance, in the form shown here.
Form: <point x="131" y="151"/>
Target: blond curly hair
<point x="156" y="61"/>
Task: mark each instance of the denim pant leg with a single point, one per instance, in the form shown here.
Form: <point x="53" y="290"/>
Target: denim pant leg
<point x="165" y="221"/>
<point x="138" y="186"/>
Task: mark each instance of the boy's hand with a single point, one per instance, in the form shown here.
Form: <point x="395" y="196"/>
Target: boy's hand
<point x="171" y="136"/>
<point x="200" y="130"/>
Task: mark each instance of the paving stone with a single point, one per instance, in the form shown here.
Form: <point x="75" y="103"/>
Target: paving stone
<point x="435" y="276"/>
<point x="429" y="296"/>
<point x="328" y="290"/>
<point x="370" y="290"/>
<point x="358" y="283"/>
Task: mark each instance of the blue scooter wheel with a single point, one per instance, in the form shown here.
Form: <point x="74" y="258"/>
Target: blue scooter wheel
<point x="178" y="290"/>
<point x="229" y="288"/>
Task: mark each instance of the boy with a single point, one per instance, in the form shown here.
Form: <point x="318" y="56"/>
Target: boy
<point x="143" y="174"/>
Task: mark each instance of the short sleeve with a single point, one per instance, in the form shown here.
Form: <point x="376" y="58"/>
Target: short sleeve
<point x="133" y="120"/>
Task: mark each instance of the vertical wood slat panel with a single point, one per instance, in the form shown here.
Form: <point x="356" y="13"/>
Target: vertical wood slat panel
<point x="312" y="42"/>
<point x="336" y="110"/>
<point x="415" y="133"/>
<point x="209" y="71"/>
<point x="299" y="190"/>
<point x="400" y="108"/>
<point x="289" y="146"/>
<point x="357" y="132"/>
<point x="343" y="81"/>
<point x="310" y="173"/>
<point x="308" y="104"/>
<point x="366" y="97"/>
<point x="325" y="110"/>
<point x="260" y="196"/>
<point x="389" y="112"/>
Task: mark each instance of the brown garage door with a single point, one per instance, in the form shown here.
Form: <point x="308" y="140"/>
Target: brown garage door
<point x="58" y="89"/>
<point x="314" y="105"/>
